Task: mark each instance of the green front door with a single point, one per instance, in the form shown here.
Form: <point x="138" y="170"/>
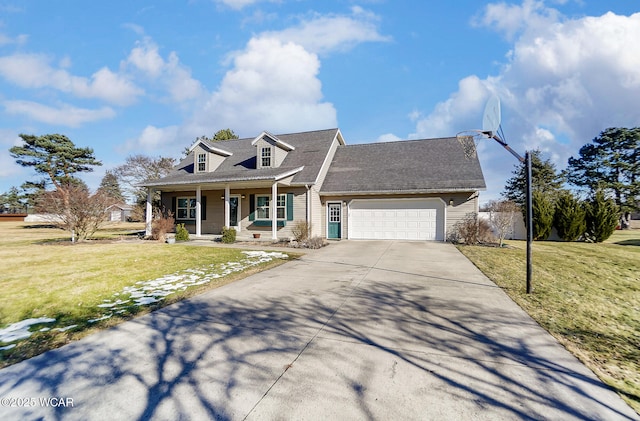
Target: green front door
<point x="335" y="220"/>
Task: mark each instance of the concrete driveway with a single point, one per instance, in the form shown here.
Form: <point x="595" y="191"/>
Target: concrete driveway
<point x="355" y="331"/>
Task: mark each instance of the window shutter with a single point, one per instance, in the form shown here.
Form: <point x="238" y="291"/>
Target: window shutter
<point x="203" y="207"/>
<point x="289" y="206"/>
<point x="252" y="207"/>
<point x="173" y="206"/>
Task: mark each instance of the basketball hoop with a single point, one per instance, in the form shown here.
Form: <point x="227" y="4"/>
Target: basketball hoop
<point x="469" y="141"/>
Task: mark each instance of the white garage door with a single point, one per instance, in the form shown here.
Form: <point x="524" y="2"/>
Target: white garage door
<point x="394" y="219"/>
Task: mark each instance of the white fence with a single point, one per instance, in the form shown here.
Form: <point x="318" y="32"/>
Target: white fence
<point x="518" y="231"/>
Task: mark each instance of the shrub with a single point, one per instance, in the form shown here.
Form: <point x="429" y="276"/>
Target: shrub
<point x="316" y="242"/>
<point x="501" y="215"/>
<point x="601" y="217"/>
<point x="472" y="230"/>
<point x="301" y="230"/>
<point x="569" y="217"/>
<point x="161" y="225"/>
<point x="182" y="234"/>
<point x="543" y="211"/>
<point x="228" y="235"/>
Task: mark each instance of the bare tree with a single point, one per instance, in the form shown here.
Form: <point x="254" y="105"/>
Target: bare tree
<point x="73" y="208"/>
<point x="140" y="168"/>
<point x="502" y="215"/>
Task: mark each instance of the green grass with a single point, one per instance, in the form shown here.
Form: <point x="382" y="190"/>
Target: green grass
<point x="586" y="295"/>
<point x="45" y="275"/>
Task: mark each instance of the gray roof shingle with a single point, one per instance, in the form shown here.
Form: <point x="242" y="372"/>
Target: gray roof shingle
<point x="311" y="148"/>
<point x="426" y="165"/>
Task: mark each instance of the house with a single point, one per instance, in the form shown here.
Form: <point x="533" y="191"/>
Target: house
<point x="119" y="212"/>
<point x="414" y="189"/>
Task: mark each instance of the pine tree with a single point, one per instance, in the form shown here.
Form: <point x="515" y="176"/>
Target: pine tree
<point x="111" y="186"/>
<point x="601" y="216"/>
<point x="543" y="211"/>
<point x="569" y="217"/>
<point x="545" y="179"/>
<point x="611" y="162"/>
<point x="55" y="156"/>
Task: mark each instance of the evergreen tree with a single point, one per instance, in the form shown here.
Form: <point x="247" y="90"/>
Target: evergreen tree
<point x="543" y="211"/>
<point x="224" y="134"/>
<point x="544" y="179"/>
<point x="610" y="162"/>
<point x="54" y="156"/>
<point x="601" y="216"/>
<point x="569" y="217"/>
<point x="12" y="202"/>
<point x="111" y="186"/>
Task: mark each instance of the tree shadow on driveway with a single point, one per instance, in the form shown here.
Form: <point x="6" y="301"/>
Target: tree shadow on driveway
<point x="362" y="346"/>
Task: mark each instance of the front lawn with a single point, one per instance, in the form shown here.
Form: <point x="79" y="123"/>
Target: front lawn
<point x="586" y="295"/>
<point x="96" y="284"/>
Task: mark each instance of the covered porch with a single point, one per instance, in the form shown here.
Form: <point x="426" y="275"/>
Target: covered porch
<point x="248" y="206"/>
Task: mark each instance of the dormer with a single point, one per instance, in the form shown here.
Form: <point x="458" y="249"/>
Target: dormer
<point x="270" y="151"/>
<point x="207" y="158"/>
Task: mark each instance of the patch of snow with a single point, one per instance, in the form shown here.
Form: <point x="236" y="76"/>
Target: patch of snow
<point x="99" y="318"/>
<point x="4" y="348"/>
<point x="20" y="330"/>
<point x="64" y="329"/>
<point x="147" y="292"/>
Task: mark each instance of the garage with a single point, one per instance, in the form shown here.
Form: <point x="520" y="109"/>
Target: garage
<point x="396" y="219"/>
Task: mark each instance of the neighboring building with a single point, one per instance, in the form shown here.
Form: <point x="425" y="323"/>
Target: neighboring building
<point x="119" y="212"/>
<point x="413" y="189"/>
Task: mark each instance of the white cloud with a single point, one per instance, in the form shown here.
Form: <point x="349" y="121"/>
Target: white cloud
<point x="173" y="76"/>
<point x="512" y="18"/>
<point x="272" y="86"/>
<point x="323" y="34"/>
<point x="8" y="166"/>
<point x="388" y="137"/>
<point x="34" y="71"/>
<point x="158" y="140"/>
<point x="239" y="4"/>
<point x="564" y="82"/>
<point x="64" y="115"/>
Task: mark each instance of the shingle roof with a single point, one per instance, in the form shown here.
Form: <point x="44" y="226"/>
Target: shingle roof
<point x="310" y="151"/>
<point x="427" y="165"/>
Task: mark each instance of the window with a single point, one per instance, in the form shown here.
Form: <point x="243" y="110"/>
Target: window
<point x="266" y="157"/>
<point x="202" y="162"/>
<point x="263" y="207"/>
<point x="186" y="208"/>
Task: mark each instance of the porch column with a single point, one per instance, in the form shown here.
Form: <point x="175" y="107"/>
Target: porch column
<point x="149" y="215"/>
<point x="227" y="207"/>
<point x="198" y="211"/>
<point x="274" y="211"/>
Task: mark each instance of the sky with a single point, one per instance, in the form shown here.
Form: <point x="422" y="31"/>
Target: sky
<point x="148" y="77"/>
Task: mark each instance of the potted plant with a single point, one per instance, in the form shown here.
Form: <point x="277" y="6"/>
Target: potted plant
<point x="256" y="235"/>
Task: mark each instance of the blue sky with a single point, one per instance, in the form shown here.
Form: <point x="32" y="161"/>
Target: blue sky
<point x="150" y="76"/>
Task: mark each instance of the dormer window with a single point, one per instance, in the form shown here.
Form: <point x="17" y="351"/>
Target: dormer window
<point x="202" y="162"/>
<point x="266" y="157"/>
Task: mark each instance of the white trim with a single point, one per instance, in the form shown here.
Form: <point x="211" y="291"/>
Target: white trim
<point x="404" y="199"/>
<point x="149" y="215"/>
<point x="188" y="208"/>
<point x="274" y="211"/>
<point x="210" y="149"/>
<point x="271" y="200"/>
<point x="288" y="173"/>
<point x="239" y="212"/>
<point x="198" y="211"/>
<point x="341" y="219"/>
<point x="283" y="145"/>
<point x="226" y="206"/>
